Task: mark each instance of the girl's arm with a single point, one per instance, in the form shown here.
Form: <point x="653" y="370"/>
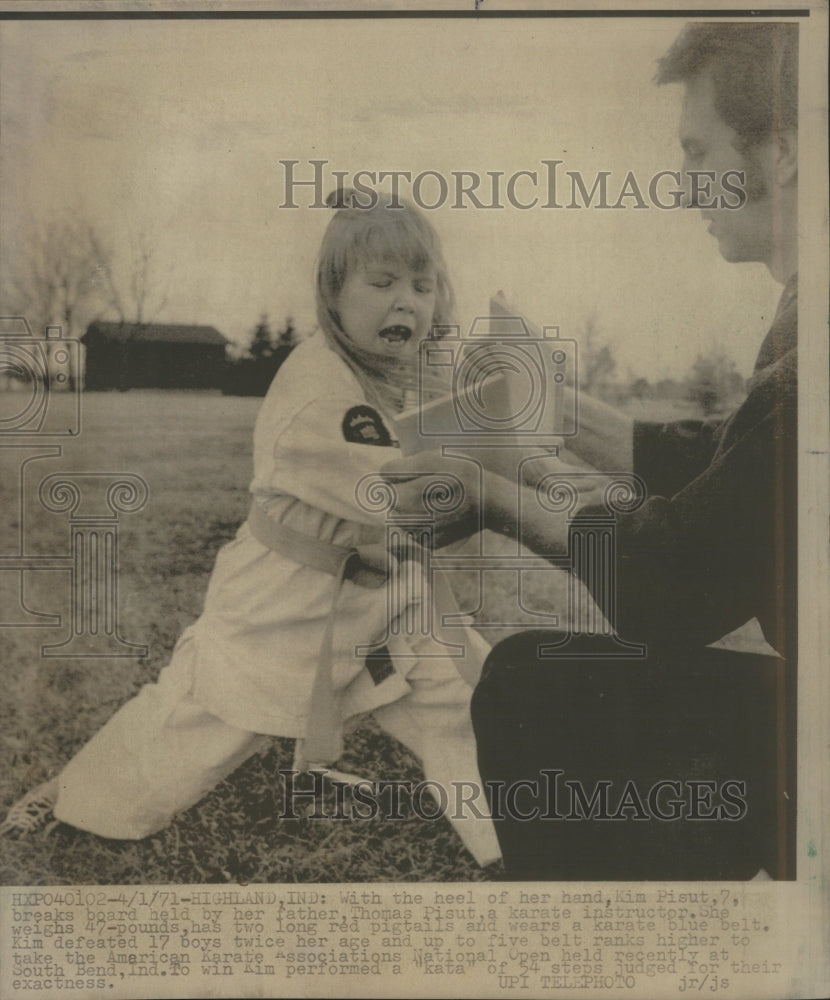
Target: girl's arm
<point x="474" y="499"/>
<point x="316" y="459"/>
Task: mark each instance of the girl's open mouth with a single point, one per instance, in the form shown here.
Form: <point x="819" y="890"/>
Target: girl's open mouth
<point x="396" y="334"/>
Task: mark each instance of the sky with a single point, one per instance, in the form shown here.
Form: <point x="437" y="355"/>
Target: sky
<point x="174" y="131"/>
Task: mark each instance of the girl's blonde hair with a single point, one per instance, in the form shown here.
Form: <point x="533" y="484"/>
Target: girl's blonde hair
<point x="387" y="229"/>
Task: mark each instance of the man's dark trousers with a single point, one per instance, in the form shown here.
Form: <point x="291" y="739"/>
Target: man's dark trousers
<point x="670" y="767"/>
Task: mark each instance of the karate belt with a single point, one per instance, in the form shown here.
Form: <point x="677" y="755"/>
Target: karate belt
<point x="366" y="566"/>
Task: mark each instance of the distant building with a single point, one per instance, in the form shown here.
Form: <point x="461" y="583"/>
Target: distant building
<point x="153" y="356"/>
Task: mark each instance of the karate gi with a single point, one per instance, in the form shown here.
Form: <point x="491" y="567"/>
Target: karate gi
<point x="247" y="667"/>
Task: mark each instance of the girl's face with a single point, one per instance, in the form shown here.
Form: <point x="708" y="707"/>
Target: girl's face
<point x="386" y="308"/>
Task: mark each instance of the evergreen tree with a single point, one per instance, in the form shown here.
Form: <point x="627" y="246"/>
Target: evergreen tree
<point x="262" y="340"/>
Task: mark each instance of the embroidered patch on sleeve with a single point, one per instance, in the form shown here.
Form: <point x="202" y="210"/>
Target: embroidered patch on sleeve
<point x="363" y="425"/>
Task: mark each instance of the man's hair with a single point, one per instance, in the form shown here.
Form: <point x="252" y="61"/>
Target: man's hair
<point x="754" y="68"/>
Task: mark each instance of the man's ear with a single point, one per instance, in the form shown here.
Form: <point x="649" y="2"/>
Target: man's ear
<point x="786" y="157"/>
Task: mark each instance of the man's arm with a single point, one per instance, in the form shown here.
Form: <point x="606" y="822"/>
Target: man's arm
<point x="605" y="436"/>
<point x="666" y="455"/>
<point x="695" y="566"/>
<point x="690" y="568"/>
<point x="670" y="455"/>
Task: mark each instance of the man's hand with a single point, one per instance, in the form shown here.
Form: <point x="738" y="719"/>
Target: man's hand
<point x="459" y="498"/>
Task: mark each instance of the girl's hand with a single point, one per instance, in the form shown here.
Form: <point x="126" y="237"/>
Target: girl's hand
<point x="443" y="491"/>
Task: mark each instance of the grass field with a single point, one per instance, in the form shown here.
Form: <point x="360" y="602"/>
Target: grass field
<point x="194" y="451"/>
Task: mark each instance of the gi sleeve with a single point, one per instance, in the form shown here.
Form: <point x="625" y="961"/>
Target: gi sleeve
<point x="314" y="461"/>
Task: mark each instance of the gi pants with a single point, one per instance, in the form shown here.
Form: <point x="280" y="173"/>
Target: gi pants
<point x="162" y="752"/>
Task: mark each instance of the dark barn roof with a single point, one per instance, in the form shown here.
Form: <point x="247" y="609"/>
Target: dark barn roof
<point x="167" y="333"/>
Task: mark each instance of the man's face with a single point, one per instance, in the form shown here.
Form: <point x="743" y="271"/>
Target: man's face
<point x="709" y="144"/>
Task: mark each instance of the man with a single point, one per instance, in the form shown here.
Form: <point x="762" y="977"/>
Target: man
<point x="680" y="764"/>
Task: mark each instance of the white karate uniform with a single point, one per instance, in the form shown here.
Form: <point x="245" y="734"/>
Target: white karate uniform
<point x="247" y="666"/>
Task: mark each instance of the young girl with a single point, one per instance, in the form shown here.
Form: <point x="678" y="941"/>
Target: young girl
<point x="277" y="648"/>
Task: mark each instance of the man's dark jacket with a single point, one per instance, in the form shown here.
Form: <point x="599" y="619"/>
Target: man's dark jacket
<point x="715" y="543"/>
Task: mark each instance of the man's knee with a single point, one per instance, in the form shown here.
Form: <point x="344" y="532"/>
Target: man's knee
<point x="524" y="681"/>
<point x="511" y="665"/>
<point x="538" y="656"/>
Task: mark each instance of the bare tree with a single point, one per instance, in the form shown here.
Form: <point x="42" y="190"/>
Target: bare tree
<point x="149" y="291"/>
<point x="68" y="274"/>
<point x="133" y="289"/>
<point x="596" y="356"/>
<point x="52" y="279"/>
